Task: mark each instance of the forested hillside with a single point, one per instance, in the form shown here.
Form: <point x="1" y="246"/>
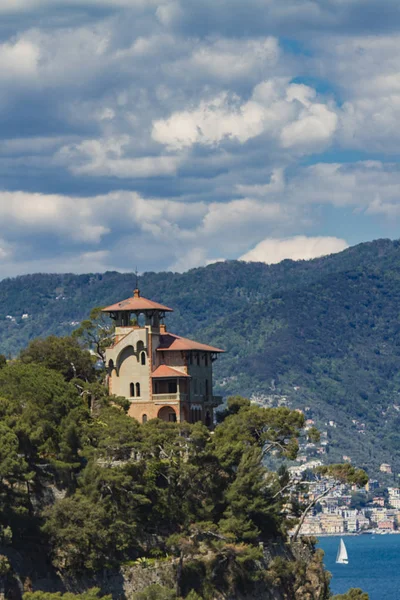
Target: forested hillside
<point x="324" y="334"/>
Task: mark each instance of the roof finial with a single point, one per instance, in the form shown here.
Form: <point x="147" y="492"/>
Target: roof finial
<point x="136" y="292"/>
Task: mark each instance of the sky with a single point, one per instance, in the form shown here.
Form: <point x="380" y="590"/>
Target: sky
<point x="170" y="134"/>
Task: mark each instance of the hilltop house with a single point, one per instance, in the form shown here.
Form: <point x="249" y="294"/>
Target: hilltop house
<point x="162" y="374"/>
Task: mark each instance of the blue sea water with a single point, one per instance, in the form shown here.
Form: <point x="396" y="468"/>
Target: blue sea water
<point x="374" y="565"/>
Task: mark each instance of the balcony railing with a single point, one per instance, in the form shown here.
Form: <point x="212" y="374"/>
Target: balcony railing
<point x="180" y="397"/>
<point x="177" y="397"/>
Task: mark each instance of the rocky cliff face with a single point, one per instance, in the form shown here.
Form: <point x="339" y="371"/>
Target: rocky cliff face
<point x="286" y="573"/>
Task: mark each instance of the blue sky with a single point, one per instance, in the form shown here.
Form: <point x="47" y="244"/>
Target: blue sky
<point x="169" y="134"/>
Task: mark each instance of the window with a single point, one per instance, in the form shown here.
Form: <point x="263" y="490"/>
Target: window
<point x="132" y="390"/>
<point x="191" y="358"/>
<point x="144" y="419"/>
<point x="206" y="359"/>
<point x="206" y="387"/>
<point x="172" y="417"/>
<point x="138" y="390"/>
<point x="196" y="414"/>
<point x="198" y="360"/>
<point x="143" y="358"/>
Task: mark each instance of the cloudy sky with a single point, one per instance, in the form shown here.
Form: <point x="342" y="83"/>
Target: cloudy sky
<point x="169" y="134"/>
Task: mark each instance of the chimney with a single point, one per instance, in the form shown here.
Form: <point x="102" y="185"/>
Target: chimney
<point x="136" y="293"/>
<point x="163" y="328"/>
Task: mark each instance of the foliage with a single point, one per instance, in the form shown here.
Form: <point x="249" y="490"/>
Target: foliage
<point x="96" y="332"/>
<point x="95" y="489"/>
<point x="352" y="594"/>
<point x="63" y="354"/>
<point x="92" y="594"/>
<point x="155" y="592"/>
<point x="345" y="473"/>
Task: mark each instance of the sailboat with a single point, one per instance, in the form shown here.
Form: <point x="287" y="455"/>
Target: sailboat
<point x="342" y="558"/>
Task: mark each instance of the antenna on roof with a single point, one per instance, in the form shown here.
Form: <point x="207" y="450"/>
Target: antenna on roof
<point x="137" y="279"/>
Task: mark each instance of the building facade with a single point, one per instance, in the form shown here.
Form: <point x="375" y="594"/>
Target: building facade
<point x="163" y="375"/>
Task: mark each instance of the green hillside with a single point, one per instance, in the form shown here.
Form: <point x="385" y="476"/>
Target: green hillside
<point x="323" y="334"/>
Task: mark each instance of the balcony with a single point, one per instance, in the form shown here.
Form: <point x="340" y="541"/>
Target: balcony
<point x="168" y="398"/>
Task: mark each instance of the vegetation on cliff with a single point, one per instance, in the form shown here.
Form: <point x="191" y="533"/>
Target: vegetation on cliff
<point x="91" y="489"/>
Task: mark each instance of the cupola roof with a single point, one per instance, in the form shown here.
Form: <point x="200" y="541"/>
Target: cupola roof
<point x="136" y="304"/>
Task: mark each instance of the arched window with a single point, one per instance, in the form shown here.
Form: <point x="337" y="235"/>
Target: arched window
<point x="206" y="359"/>
<point x="143" y="358"/>
<point x="132" y="390"/>
<point x="138" y="390"/>
<point x="208" y="419"/>
<point x="144" y="419"/>
<point x="198" y="359"/>
<point x="206" y="387"/>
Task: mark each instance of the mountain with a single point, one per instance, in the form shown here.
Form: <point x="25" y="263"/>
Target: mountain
<point x="322" y="334"/>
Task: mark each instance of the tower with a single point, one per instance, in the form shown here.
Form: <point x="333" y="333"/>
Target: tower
<point x="162" y="374"/>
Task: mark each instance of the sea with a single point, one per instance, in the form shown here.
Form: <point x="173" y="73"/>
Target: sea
<point x="374" y="565"/>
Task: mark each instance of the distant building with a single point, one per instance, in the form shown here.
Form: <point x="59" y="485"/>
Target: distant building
<point x="385" y="468"/>
<point x="379" y="501"/>
<point x="388" y="524"/>
<point x="394" y="497"/>
<point x="372" y="485"/>
<point x="162" y="374"/>
<point x="302" y="458"/>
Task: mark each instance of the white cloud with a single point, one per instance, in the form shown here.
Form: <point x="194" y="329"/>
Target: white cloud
<point x="85" y="262"/>
<point x="233" y="59"/>
<point x="238" y="214"/>
<point x="210" y="123"/>
<point x="277" y="108"/>
<point x="315" y="125"/>
<point x="196" y="257"/>
<point x="106" y="157"/>
<point x="19" y="60"/>
<point x="272" y="251"/>
<point x="365" y="71"/>
<point x="51" y="214"/>
<point x="276" y="185"/>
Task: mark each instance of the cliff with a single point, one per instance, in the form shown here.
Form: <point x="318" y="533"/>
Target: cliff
<point x="285" y="573"/>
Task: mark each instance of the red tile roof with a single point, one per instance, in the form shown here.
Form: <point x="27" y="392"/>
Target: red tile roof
<point x="136" y="303"/>
<point x="170" y="341"/>
<point x="163" y="371"/>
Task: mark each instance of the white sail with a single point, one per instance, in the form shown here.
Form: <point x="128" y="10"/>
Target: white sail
<point x="342" y="557"/>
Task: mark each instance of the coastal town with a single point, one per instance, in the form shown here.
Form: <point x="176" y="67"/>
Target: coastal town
<point x="343" y="509"/>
